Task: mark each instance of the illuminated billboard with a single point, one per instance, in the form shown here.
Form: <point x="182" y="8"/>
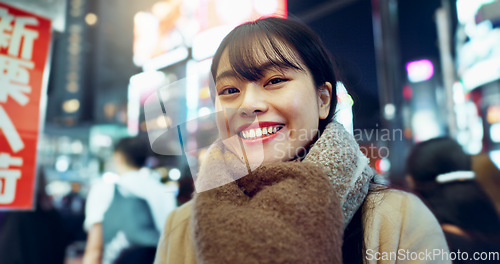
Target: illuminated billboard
<point x="171" y="26"/>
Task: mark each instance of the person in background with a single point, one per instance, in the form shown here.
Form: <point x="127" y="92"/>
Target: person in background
<point x="33" y="237"/>
<point x="440" y="172"/>
<point x="124" y="218"/>
<point x="72" y="210"/>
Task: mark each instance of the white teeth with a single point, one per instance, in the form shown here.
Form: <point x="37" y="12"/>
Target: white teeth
<point x="259" y="132"/>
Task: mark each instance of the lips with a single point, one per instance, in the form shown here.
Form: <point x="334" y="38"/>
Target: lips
<point x="259" y="131"/>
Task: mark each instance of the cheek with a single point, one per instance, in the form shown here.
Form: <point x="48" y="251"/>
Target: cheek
<point x="223" y="118"/>
<point x="302" y="106"/>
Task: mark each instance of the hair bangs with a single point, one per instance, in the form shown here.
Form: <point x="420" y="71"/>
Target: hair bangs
<point x="251" y="54"/>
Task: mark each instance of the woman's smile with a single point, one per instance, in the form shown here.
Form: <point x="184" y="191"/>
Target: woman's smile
<point x="260" y="132"/>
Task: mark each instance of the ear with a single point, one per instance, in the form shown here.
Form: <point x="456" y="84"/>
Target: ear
<point x="324" y="99"/>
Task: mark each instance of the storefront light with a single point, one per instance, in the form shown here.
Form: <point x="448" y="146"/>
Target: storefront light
<point x="481" y="73"/>
<point x="204" y="111"/>
<point x="493" y="114"/>
<point x="467" y="9"/>
<point x="71" y="106"/>
<point x="174" y="174"/>
<point x="91" y="19"/>
<point x="420" y="70"/>
<point x="62" y="163"/>
<point x="495" y="132"/>
<point x="266" y="7"/>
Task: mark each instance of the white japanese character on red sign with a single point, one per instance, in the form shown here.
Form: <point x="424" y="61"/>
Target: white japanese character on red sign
<point x="8" y="177"/>
<point x="13" y="74"/>
<point x="12" y="36"/>
<point x="17" y="39"/>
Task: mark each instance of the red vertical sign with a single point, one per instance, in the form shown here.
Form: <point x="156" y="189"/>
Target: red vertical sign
<point x="24" y="47"/>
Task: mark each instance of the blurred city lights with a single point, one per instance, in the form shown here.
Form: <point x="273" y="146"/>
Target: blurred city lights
<point x="163" y="122"/>
<point x="234" y="12"/>
<point x="192" y="88"/>
<point x="495" y="157"/>
<point x="481" y="73"/>
<point x="383" y="165"/>
<point x="425" y="125"/>
<point x="420" y="70"/>
<point x="344" y="108"/>
<point x="204" y="111"/>
<point x="91" y="19"/>
<point x="174" y="174"/>
<point x="167" y="59"/>
<point x="71" y="106"/>
<point x="458" y="93"/>
<point x="72" y="87"/>
<point x="192" y="126"/>
<point x="467" y="9"/>
<point x="407" y="92"/>
<point x="62" y="163"/>
<point x="206" y="43"/>
<point x="495" y="132"/>
<point x="493" y="114"/>
<point x="57" y="188"/>
<point x="100" y="140"/>
<point x="266" y="7"/>
<point x="389" y="111"/>
<point x="76" y="147"/>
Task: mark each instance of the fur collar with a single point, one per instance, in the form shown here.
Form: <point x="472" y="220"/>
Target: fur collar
<point x="288" y="212"/>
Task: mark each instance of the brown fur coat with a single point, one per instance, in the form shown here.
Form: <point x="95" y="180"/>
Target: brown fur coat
<point x="277" y="214"/>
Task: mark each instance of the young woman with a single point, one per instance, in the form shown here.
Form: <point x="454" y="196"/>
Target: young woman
<point x="286" y="183"/>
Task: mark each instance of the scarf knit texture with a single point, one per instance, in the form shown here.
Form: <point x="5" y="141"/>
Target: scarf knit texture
<point x="284" y="212"/>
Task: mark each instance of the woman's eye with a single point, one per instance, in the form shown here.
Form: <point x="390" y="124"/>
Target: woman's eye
<point x="228" y="91"/>
<point x="276" y="81"/>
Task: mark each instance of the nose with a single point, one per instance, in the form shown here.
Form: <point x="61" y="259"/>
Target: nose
<point x="254" y="101"/>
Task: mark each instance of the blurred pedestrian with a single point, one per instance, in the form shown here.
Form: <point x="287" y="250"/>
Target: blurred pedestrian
<point x="72" y="210"/>
<point x="441" y="173"/>
<point x="127" y="216"/>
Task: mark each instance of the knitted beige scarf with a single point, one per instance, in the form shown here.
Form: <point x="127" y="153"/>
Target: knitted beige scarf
<point x="288" y="212"/>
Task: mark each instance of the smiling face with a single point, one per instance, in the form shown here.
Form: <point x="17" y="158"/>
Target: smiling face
<point x="275" y="114"/>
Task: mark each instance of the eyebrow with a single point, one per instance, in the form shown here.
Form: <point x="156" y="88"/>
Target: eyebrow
<point x="261" y="68"/>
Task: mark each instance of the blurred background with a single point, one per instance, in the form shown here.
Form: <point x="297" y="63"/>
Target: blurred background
<point x="414" y="70"/>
